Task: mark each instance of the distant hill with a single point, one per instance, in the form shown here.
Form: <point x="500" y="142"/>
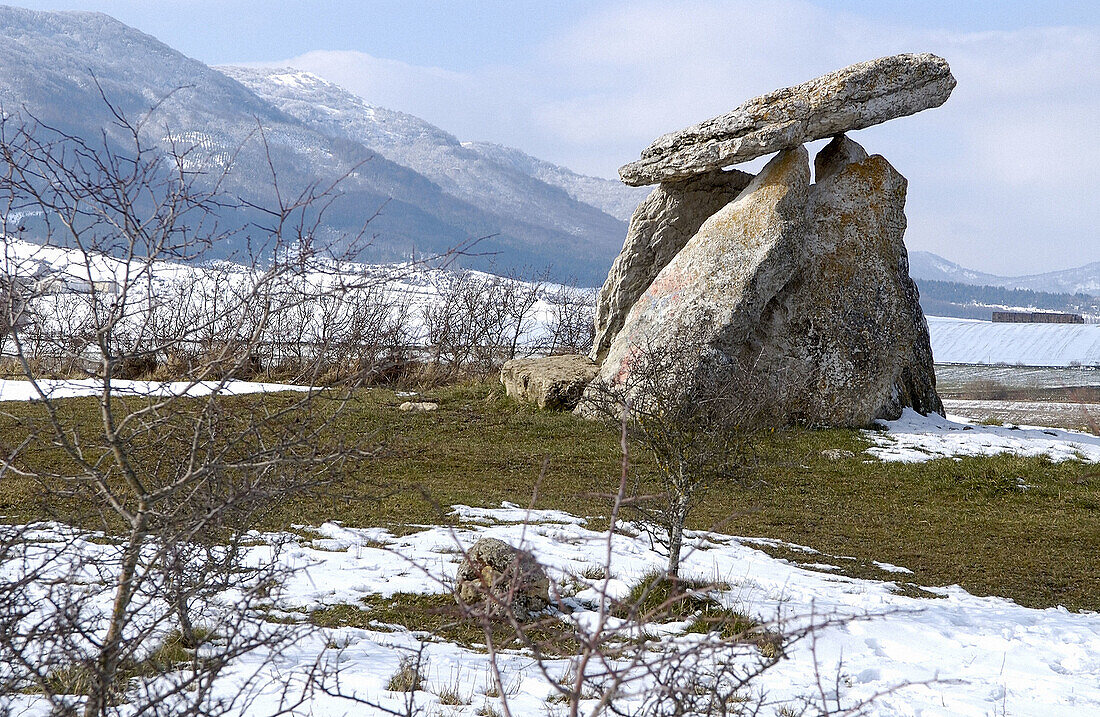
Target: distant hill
<point x="433" y="193"/>
<point x="1082" y="280"/>
<point x="968" y="301"/>
<point x="610" y="195"/>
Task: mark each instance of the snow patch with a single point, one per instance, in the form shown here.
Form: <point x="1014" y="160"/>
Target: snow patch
<point x="969" y="654"/>
<point x="914" y="438"/>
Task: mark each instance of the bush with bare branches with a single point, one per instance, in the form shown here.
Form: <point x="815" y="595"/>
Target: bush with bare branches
<point x="696" y="412"/>
<point x="141" y="615"/>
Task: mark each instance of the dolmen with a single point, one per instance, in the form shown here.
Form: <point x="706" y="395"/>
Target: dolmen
<point x="803" y="287"/>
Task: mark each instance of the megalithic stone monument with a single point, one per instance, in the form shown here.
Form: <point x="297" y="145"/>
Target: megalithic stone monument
<point x="804" y="285"/>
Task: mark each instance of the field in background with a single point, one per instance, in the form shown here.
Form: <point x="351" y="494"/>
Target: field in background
<point x="1052" y="396"/>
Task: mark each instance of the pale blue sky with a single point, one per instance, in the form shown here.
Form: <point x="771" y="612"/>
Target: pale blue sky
<point x="462" y="35"/>
<point x="1001" y="177"/>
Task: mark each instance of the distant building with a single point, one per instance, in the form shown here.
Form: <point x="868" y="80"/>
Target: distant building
<point x="1036" y="317"/>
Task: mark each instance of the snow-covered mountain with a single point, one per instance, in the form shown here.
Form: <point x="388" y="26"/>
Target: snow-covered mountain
<point x="462" y="170"/>
<point x="612" y="196"/>
<point x="52" y="66"/>
<point x="1082" y="280"/>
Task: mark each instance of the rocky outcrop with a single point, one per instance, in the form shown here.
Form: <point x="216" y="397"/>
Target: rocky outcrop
<point x="495" y="578"/>
<point x="803" y="290"/>
<point x="855" y="97"/>
<point x="551" y="382"/>
<point x="660" y="227"/>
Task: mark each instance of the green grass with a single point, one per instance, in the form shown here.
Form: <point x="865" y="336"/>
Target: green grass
<point x="408" y="677"/>
<point x="655" y="597"/>
<point x="964" y="521"/>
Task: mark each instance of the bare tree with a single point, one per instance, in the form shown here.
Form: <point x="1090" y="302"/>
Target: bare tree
<point x="174" y="476"/>
<point x="695" y="411"/>
<point x="571" y="328"/>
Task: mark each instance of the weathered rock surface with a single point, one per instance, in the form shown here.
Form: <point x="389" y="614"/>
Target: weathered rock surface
<point x="660" y="227"/>
<point x="804" y="290"/>
<point x="835" y="156"/>
<point x="418" y="406"/>
<point x="714" y="292"/>
<point x="856" y="318"/>
<point x="552" y="382"/>
<point x="495" y="578"/>
<point x="858" y="96"/>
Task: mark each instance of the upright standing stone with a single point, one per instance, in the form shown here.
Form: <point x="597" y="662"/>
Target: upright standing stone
<point x="660" y="227"/>
<point x="804" y="289"/>
<point x="716" y="291"/>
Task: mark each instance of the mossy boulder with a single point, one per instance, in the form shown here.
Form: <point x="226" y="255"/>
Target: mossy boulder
<point x="495" y="578"/>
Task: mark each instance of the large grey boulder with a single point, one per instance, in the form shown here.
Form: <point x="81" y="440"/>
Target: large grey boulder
<point x="801" y="289"/>
<point x="660" y="227"/>
<point x="714" y="293"/>
<point x="550" y="382"/>
<point x="858" y="96"/>
<point x="495" y="579"/>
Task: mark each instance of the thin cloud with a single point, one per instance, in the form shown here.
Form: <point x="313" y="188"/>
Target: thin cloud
<point x="1000" y="176"/>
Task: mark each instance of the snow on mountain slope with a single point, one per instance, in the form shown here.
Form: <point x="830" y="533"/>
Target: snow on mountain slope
<point x="473" y="176"/>
<point x="966" y="341"/>
<point x="926" y="265"/>
<point x="609" y="195"/>
<point x="1084" y="279"/>
<point x="53" y="65"/>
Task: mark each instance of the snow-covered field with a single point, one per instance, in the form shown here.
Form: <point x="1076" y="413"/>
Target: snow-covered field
<point x="956" y="655"/>
<point x="966" y="341"/>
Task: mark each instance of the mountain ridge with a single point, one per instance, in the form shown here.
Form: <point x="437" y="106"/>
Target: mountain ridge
<point x="469" y="175"/>
<point x="1079" y="280"/>
<point x="56" y="65"/>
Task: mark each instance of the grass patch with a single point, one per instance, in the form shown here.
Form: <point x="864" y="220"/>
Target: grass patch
<point x="655" y="597"/>
<point x="408" y="677"/>
<point x="950" y="521"/>
<point x="451" y="695"/>
<point x="442" y="618"/>
<point x="173" y="653"/>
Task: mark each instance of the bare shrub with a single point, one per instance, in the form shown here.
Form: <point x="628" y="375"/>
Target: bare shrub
<point x="696" y="413"/>
<point x="173" y="480"/>
<point x="572" y="327"/>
